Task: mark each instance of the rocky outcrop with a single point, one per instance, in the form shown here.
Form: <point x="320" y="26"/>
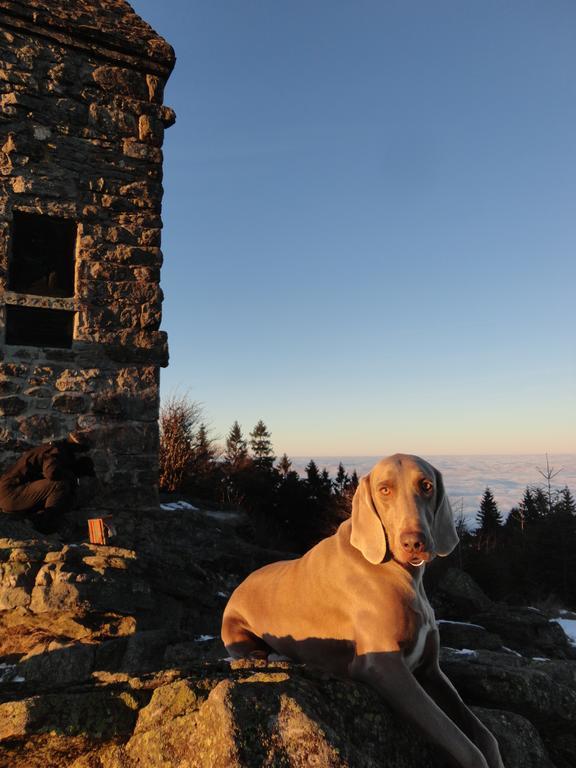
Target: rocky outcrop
<point x="110" y="658"/>
<point x="252" y="714"/>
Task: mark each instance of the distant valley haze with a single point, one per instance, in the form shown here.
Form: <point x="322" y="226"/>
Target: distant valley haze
<point x="466" y="477"/>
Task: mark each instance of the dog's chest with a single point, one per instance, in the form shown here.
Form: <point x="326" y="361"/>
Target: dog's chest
<point x="424" y="624"/>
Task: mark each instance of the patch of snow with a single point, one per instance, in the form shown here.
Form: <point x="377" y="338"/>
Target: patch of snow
<point x="569" y="627"/>
<point x="460" y="624"/>
<point x="514" y="653"/>
<point x="222" y="594"/>
<point x="19" y="679"/>
<point x="204" y="638"/>
<point x="463" y="651"/>
<point x="540" y="658"/>
<point x="172" y="506"/>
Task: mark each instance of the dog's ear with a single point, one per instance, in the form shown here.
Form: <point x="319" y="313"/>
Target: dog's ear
<point x="367" y="530"/>
<point x="444" y="530"/>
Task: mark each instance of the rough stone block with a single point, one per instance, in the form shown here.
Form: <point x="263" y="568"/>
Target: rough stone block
<point x="12" y="405"/>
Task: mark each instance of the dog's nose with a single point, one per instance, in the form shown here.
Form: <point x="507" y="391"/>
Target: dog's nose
<point x="413" y="542"/>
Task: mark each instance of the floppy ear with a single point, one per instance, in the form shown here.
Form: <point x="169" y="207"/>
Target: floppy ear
<point x="444" y="530"/>
<point x="367" y="530"/>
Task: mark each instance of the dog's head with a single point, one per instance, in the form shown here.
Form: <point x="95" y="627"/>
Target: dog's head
<point x="401" y="508"/>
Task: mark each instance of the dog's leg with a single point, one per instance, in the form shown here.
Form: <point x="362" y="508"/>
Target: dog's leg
<point x="388" y="674"/>
<point x="439" y="687"/>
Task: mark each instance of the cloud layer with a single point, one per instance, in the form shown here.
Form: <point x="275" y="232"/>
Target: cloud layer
<point x="466" y="477"/>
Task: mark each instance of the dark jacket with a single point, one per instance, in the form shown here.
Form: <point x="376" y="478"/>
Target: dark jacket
<point x="50" y="461"/>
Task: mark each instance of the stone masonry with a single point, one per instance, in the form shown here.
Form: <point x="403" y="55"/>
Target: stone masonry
<point x="81" y="128"/>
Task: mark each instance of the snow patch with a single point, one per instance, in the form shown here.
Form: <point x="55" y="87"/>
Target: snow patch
<point x="569" y="627"/>
<point x="204" y="638"/>
<point x="172" y="506"/>
<point x="540" y="658"/>
<point x="514" y="653"/>
<point x="463" y="652"/>
<point x="460" y="624"/>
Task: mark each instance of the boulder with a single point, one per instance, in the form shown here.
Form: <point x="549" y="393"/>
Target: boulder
<point x="455" y="595"/>
<point x="460" y="634"/>
<point x="520" y="743"/>
<point x="522" y="685"/>
<point x="526" y="630"/>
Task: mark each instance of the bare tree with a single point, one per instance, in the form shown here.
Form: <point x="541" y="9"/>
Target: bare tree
<point x="179" y="418"/>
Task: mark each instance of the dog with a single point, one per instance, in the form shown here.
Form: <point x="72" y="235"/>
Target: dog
<point x="355" y="605"/>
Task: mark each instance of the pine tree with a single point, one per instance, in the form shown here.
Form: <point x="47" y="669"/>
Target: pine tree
<point x="203" y="450"/>
<point x="261" y="446"/>
<point x="284" y="465"/>
<point x="326" y="481"/>
<point x="488" y="518"/>
<point x="313" y="480"/>
<point x="342" y="480"/>
<point x="565" y="505"/>
<point x="354" y="481"/>
<point x="541" y="504"/>
<point x="528" y="508"/>
<point x="236" y="452"/>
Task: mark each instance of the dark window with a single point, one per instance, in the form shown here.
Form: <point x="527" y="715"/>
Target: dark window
<point x="42" y="255"/>
<point x="39" y="327"/>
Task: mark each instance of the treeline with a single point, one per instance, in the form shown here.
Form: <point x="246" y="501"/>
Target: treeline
<point x="287" y="512"/>
<point x="527" y="556"/>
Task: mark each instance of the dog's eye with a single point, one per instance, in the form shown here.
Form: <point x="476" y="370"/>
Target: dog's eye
<point x="426" y="486"/>
<point x="384" y="490"/>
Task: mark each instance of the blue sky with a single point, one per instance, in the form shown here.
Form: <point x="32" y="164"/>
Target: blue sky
<point x="370" y="224"/>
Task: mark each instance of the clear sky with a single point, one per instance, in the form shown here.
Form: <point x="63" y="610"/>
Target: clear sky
<point x="370" y="221"/>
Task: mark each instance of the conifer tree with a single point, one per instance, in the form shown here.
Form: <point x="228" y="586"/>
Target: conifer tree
<point x="203" y="451"/>
<point x="541" y="504"/>
<point x="261" y="445"/>
<point x="312" y="473"/>
<point x="566" y="506"/>
<point x="326" y="481"/>
<point x="236" y="452"/>
<point x="342" y="480"/>
<point x="488" y="518"/>
<point x="284" y="465"/>
<point x="528" y="508"/>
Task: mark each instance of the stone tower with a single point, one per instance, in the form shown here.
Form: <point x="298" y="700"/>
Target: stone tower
<point x="81" y="128"/>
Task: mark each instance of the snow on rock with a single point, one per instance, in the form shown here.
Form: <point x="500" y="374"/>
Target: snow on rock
<point x="460" y="623"/>
<point x="463" y="652"/>
<point x="176" y="505"/>
<point x="569" y="627"/>
<point x="509" y="650"/>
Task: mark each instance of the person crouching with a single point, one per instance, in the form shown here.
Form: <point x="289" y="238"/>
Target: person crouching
<point x="42" y="483"/>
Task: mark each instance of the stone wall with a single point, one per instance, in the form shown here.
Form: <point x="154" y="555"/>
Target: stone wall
<point x="81" y="129"/>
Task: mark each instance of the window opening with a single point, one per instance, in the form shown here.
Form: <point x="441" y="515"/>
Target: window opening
<point x="42" y="260"/>
<point x="39" y="327"/>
